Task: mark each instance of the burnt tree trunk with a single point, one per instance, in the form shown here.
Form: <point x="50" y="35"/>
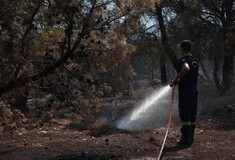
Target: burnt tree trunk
<point x="165" y="42"/>
<point x="163" y="74"/>
<point x="204" y="70"/>
<point x="227" y="20"/>
<point x="163" y="70"/>
<point x="228" y="68"/>
<point x="216" y="77"/>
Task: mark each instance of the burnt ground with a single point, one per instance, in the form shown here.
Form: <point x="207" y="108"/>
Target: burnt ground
<point x="214" y="140"/>
<point x="59" y="141"/>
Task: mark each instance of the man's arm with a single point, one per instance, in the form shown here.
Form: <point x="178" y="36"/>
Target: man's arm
<point x="184" y="70"/>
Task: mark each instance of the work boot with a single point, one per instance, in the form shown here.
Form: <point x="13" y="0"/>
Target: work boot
<point x="185" y="141"/>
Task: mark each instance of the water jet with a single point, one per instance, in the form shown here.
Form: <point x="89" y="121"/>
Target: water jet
<point x="150" y="112"/>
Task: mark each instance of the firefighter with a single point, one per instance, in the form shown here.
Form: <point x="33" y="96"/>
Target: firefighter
<point x="186" y="79"/>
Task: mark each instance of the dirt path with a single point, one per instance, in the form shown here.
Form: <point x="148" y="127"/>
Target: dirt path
<point x="214" y="140"/>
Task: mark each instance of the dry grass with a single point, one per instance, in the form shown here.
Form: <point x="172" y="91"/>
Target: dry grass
<point x="101" y="127"/>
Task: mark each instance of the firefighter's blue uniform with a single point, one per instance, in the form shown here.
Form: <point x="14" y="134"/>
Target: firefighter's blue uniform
<point x="188" y="95"/>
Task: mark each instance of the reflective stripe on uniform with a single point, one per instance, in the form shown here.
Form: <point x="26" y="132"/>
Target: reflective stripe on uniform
<point x="188" y="123"/>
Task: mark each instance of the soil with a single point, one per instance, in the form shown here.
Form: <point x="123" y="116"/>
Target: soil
<point x="214" y="140"/>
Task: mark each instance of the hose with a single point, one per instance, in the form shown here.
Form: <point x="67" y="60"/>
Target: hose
<point x="169" y="122"/>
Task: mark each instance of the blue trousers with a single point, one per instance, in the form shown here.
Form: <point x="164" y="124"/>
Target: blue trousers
<point x="188" y="110"/>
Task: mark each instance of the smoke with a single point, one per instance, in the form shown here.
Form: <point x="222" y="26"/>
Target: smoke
<point x="152" y="111"/>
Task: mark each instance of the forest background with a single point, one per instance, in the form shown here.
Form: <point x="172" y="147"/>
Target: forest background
<point x="59" y="57"/>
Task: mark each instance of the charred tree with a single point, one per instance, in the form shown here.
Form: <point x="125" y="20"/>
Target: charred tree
<point x="165" y="42"/>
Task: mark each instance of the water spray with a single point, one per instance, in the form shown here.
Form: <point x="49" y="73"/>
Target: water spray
<point x="150" y="104"/>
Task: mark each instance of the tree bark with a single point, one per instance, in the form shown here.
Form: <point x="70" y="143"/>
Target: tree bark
<point x="227" y="21"/>
<point x="204" y="71"/>
<point x="165" y="42"/>
<point x="215" y="75"/>
<point x="163" y="74"/>
<point x="228" y="68"/>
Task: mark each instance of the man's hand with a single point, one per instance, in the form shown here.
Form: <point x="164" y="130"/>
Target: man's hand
<point x="174" y="82"/>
